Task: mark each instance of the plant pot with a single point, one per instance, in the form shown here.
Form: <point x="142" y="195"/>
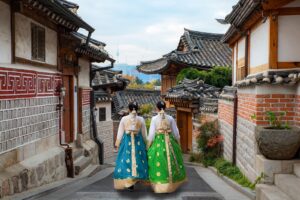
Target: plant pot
<point x="278" y="144"/>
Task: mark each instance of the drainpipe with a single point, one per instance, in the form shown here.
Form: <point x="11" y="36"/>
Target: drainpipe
<point x="98" y="141"/>
<point x="234" y="134"/>
<point x="68" y="149"/>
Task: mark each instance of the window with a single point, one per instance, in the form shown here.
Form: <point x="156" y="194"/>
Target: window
<point x="102" y="114"/>
<point x="37" y="43"/>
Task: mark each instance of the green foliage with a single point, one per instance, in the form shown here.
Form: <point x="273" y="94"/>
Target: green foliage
<point x="147" y="122"/>
<point x="217" y="76"/>
<point x="275" y="120"/>
<point x="195" y="157"/>
<point x="139" y="81"/>
<point x="157" y="82"/>
<point x="145" y="109"/>
<point x="233" y="172"/>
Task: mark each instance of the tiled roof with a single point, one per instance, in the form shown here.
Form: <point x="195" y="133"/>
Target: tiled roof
<point x="93" y="41"/>
<point x="109" y="79"/>
<point x="204" y="51"/>
<point x="206" y="96"/>
<point x="102" y="96"/>
<point x="121" y="99"/>
<point x="239" y="14"/>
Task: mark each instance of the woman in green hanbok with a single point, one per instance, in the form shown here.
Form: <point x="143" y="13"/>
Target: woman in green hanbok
<point x="166" y="167"/>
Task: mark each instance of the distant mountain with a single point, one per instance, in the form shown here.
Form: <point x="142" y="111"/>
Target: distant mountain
<point x="131" y="70"/>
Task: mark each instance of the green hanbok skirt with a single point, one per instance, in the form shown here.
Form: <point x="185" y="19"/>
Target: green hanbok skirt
<point x="166" y="167"/>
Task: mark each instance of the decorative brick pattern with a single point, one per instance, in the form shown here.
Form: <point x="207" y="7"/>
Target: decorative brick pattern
<point x="26" y="120"/>
<point x="86" y="96"/>
<point x="105" y="131"/>
<point x="25" y="83"/>
<point x="225" y="111"/>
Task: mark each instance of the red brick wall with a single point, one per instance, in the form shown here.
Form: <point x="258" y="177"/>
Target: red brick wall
<point x="225" y="111"/>
<point x="250" y="104"/>
<point x="297" y="110"/>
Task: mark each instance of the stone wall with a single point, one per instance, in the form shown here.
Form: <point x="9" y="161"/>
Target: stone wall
<point x="115" y="130"/>
<point x="105" y="132"/>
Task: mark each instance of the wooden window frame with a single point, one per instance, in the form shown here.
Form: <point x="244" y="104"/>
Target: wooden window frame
<point x="102" y="115"/>
<point x="38" y="43"/>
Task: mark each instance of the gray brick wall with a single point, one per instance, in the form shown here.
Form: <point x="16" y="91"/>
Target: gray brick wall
<point x="23" y="121"/>
<point x="86" y="119"/>
<point x="105" y="131"/>
<point x="226" y="130"/>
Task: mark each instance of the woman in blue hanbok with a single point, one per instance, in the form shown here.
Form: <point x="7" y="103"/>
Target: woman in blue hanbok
<point x="131" y="163"/>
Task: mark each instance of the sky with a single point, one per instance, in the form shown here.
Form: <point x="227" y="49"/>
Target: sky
<point x="143" y="30"/>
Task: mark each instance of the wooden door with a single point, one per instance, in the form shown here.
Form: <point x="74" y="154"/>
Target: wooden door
<point x="184" y="123"/>
<point x="68" y="109"/>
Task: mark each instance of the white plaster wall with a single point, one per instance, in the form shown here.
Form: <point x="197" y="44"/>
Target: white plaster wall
<point x="234" y="64"/>
<point x="241" y="48"/>
<point x="289" y="38"/>
<point x="107" y="105"/>
<point x="23" y="39"/>
<point x="295" y="3"/>
<point x="5" y="33"/>
<point x="84" y="74"/>
<point x="259" y="45"/>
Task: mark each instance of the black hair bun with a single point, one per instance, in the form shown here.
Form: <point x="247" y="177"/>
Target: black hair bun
<point x="133" y="106"/>
<point x="161" y="105"/>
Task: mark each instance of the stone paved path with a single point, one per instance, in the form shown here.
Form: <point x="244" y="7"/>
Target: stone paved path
<point x="202" y="185"/>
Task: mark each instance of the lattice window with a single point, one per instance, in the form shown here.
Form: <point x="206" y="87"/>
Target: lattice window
<point x="38" y="43"/>
<point x="102" y="114"/>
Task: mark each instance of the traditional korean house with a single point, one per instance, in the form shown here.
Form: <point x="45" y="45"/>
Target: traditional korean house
<point x="191" y="99"/>
<point x="44" y="93"/>
<point x="195" y="49"/>
<point x="264" y="37"/>
<point x="105" y="83"/>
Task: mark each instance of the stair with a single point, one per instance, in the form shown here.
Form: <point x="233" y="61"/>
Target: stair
<point x="82" y="159"/>
<point x="270" y="192"/>
<point x="287" y="187"/>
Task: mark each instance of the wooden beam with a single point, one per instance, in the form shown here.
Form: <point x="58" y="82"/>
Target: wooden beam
<point x="184" y="109"/>
<point x="273" y="48"/>
<point x="274" y="4"/>
<point x="288" y="65"/>
<point x="289" y="11"/>
<point x="247" y="54"/>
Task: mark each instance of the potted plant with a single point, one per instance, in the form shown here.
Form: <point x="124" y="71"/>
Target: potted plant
<point x="278" y="141"/>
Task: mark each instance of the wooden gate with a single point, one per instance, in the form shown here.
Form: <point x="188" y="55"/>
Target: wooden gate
<point x="184" y="123"/>
<point x="68" y="119"/>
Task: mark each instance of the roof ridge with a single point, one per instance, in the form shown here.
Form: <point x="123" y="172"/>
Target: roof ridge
<point x="202" y="33"/>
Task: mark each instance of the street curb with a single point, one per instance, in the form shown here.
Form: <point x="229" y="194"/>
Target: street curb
<point x="246" y="191"/>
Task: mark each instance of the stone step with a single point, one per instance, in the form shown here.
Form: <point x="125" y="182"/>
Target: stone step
<point x="77" y="152"/>
<point x="289" y="184"/>
<point x="81" y="163"/>
<point x="297" y="169"/>
<point x="270" y="192"/>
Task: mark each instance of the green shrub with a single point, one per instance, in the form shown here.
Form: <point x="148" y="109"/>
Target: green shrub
<point x="147" y="122"/>
<point x="195" y="157"/>
<point x="146" y="109"/>
<point x="217" y="76"/>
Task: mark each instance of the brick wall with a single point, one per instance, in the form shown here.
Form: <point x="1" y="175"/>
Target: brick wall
<point x="84" y="111"/>
<point x="105" y="131"/>
<point x="115" y="130"/>
<point x="297" y="110"/>
<point x="28" y="102"/>
<point x="225" y="122"/>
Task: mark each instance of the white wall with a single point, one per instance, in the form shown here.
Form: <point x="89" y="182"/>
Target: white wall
<point x="259" y="45"/>
<point x="295" y="3"/>
<point x="289" y="38"/>
<point x="23" y="39"/>
<point x="106" y="105"/>
<point x="241" y="48"/>
<point x="5" y="33"/>
<point x="84" y="74"/>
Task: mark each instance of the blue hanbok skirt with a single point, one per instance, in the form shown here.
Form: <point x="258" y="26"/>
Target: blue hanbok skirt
<point x="131" y="163"/>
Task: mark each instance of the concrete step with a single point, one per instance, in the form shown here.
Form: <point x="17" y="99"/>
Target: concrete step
<point x="77" y="152"/>
<point x="270" y="192"/>
<point x="289" y="184"/>
<point x="297" y="169"/>
<point x="81" y="163"/>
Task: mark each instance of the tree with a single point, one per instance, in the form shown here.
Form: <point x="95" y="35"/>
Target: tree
<point x="139" y="81"/>
<point x="217" y="76"/>
<point x="157" y="82"/>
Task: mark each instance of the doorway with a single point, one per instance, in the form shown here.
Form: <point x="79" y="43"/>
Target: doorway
<point x="184" y="123"/>
<point x="68" y="115"/>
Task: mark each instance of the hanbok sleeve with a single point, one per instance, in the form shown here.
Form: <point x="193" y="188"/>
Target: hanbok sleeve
<point x="174" y="129"/>
<point x="120" y="132"/>
<point x="151" y="133"/>
<point x="144" y="129"/>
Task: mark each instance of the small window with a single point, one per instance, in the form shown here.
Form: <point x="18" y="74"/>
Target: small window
<point x="102" y="114"/>
<point x="37" y="43"/>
